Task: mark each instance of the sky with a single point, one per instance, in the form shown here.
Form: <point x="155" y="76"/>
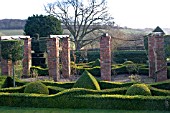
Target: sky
<point x="126" y="13"/>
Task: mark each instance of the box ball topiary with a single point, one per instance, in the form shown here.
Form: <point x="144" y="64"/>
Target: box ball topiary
<point x="139" y="89"/>
<point x="36" y="87"/>
<point x="87" y="81"/>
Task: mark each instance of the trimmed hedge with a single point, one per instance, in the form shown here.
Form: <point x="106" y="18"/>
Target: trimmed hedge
<point x="55" y="90"/>
<point x="159" y="92"/>
<point x="139" y="89"/>
<point x="121" y="56"/>
<point x="41" y="71"/>
<point x="110" y="85"/>
<point x="36" y="87"/>
<point x="162" y="85"/>
<point x="81" y="98"/>
<point x="87" y="81"/>
<point x="65" y="85"/>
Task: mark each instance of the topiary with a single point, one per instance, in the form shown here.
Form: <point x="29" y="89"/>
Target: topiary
<point x="36" y="87"/>
<point x="128" y="62"/>
<point x="139" y="89"/>
<point x="96" y="63"/>
<point x="8" y="82"/>
<point x="87" y="81"/>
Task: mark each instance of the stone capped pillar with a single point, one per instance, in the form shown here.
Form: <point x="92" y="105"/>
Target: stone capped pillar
<point x="160" y="61"/>
<point x="53" y="58"/>
<point x="27" y="57"/>
<point x="65" y="58"/>
<point x="151" y="55"/>
<point x="105" y="57"/>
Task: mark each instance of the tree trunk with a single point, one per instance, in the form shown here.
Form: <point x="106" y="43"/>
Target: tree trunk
<point x="13" y="73"/>
<point x="77" y="46"/>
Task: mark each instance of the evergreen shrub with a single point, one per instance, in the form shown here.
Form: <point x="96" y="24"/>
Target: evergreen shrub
<point x="139" y="89"/>
<point x="36" y="87"/>
<point x="87" y="81"/>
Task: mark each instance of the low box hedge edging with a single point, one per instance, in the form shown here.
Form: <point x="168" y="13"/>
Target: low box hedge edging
<point x="81" y="98"/>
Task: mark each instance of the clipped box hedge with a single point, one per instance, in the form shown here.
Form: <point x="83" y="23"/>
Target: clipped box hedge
<point x="81" y="98"/>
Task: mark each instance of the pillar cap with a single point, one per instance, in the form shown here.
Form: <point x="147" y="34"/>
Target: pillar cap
<point x="14" y="37"/>
<point x="158" y="31"/>
<point x="59" y="36"/>
<point x="105" y="35"/>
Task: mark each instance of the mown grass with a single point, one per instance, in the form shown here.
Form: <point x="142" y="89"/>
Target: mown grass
<point x="11" y="32"/>
<point x="56" y="110"/>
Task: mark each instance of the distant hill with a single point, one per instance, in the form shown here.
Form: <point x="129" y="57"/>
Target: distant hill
<point x="12" y="24"/>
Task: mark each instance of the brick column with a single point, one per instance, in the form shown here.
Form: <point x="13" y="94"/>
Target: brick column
<point x="105" y="57"/>
<point x="27" y="57"/>
<point x="6" y="67"/>
<point x="53" y="58"/>
<point x="65" y="58"/>
<point x="160" y="61"/>
<point x="151" y="55"/>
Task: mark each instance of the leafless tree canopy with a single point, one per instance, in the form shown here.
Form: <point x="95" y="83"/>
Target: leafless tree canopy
<point x="81" y="17"/>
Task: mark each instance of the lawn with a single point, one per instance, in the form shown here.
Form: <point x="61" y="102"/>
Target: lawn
<point x="11" y="32"/>
<point x="55" y="110"/>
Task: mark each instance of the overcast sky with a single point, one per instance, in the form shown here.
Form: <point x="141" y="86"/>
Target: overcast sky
<point x="130" y="13"/>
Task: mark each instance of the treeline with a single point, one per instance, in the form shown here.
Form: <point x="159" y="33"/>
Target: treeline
<point x="12" y="24"/>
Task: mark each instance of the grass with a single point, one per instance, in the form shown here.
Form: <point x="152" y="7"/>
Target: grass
<point x="11" y="32"/>
<point x="56" y="110"/>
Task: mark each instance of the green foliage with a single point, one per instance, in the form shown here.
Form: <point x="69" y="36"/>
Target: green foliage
<point x="162" y="85"/>
<point x="19" y="89"/>
<point x="110" y="85"/>
<point x="41" y="71"/>
<point x="55" y="90"/>
<point x="159" y="92"/>
<point x="12" y="50"/>
<point x="65" y="85"/>
<point x="119" y="69"/>
<point x="42" y="25"/>
<point x="138" y="89"/>
<point x="134" y="56"/>
<point x="130" y="66"/>
<point x="8" y="82"/>
<point x="168" y="72"/>
<point x="143" y="71"/>
<point x="96" y="63"/>
<point x="87" y="81"/>
<point x="120" y="56"/>
<point x="85" y="98"/>
<point x="36" y="87"/>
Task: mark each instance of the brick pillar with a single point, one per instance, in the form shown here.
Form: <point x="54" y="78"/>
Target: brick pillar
<point x="65" y="57"/>
<point x="53" y="58"/>
<point x="160" y="61"/>
<point x="105" y="57"/>
<point x="27" y="57"/>
<point x="151" y="55"/>
<point x="6" y="67"/>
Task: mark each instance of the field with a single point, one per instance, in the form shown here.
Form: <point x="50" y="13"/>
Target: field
<point x="11" y="32"/>
<point x="55" y="110"/>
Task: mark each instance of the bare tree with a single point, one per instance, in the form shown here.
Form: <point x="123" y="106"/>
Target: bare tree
<point x="81" y="17"/>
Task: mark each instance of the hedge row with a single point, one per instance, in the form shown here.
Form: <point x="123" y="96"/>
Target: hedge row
<point x="118" y="56"/>
<point x="81" y="98"/>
